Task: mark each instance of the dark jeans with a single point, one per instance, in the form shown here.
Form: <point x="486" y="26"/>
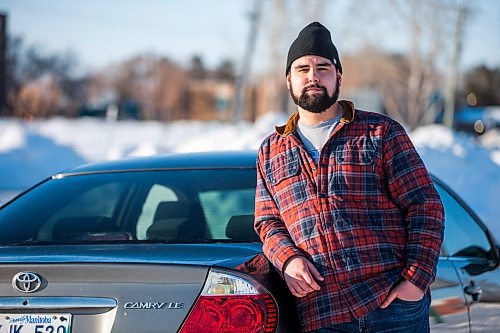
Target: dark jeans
<point x="400" y="316"/>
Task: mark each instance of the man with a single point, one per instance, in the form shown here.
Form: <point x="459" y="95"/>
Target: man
<point x="345" y="207"/>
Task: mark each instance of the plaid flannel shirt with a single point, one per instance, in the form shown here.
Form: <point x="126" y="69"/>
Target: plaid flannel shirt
<point x="367" y="215"/>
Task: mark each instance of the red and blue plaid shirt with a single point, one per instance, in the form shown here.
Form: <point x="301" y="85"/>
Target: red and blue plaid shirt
<point x="367" y="215"/>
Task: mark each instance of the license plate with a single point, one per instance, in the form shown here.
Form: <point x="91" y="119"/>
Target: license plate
<point x="35" y="323"/>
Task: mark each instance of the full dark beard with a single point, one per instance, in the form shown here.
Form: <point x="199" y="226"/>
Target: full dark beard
<point x="316" y="103"/>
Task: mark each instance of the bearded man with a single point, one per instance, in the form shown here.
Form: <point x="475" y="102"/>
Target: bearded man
<point x="345" y="207"/>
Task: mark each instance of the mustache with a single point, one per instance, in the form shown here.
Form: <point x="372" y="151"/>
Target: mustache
<point x="314" y="85"/>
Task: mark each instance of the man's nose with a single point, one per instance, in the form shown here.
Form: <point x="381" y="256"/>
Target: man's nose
<point x="313" y="76"/>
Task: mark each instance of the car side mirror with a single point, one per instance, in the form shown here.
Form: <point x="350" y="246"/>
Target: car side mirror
<point x="498" y="254"/>
<point x="495" y="248"/>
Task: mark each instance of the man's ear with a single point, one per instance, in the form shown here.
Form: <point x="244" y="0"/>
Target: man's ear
<point x="288" y="83"/>
<point x="339" y="75"/>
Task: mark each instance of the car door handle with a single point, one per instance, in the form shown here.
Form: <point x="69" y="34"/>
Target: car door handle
<point x="473" y="290"/>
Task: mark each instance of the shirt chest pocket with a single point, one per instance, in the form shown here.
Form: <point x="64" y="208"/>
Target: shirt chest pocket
<point x="354" y="156"/>
<point x="354" y="176"/>
<point x="288" y="186"/>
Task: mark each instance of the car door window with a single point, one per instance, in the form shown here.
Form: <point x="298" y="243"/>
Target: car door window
<point x="463" y="237"/>
<point x="157" y="194"/>
<point x="220" y="206"/>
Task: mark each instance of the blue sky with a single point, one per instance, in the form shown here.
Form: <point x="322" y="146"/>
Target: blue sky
<point x="102" y="32"/>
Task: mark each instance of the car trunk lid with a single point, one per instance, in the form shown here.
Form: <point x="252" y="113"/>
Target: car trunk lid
<point x="102" y="288"/>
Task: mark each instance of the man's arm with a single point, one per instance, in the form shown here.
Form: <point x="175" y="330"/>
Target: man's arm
<point x="412" y="189"/>
<point x="298" y="272"/>
<point x="277" y="244"/>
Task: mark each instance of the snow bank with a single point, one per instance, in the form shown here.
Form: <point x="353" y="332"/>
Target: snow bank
<point x="32" y="151"/>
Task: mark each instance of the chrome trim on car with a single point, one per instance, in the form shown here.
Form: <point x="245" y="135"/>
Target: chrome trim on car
<point x="57" y="303"/>
<point x="465" y="259"/>
<point x="106" y="171"/>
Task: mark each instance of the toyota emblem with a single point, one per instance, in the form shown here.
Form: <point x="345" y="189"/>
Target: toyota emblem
<point x="27" y="282"/>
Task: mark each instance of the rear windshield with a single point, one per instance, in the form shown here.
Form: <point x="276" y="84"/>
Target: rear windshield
<point x="180" y="206"/>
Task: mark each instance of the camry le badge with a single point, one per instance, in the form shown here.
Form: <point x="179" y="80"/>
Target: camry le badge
<point x="27" y="282"/>
<point x="153" y="305"/>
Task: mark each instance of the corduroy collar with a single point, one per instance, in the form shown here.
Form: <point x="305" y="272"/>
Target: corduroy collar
<point x="348" y="113"/>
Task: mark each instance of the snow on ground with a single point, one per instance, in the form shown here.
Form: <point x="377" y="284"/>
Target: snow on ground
<point x="30" y="152"/>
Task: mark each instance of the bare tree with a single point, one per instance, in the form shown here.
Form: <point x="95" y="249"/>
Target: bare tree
<point x="38" y="98"/>
<point x="225" y="71"/>
<point x="411" y="81"/>
<point x="484" y="84"/>
<point x="241" y="80"/>
<point x="428" y="32"/>
<point x="275" y="85"/>
<point x="153" y="83"/>
<point x="42" y="84"/>
<point x="197" y="69"/>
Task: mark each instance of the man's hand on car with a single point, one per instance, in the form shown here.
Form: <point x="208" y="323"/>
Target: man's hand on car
<point x="301" y="276"/>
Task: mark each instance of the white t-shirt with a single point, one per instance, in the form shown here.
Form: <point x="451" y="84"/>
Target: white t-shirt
<point x="315" y="136"/>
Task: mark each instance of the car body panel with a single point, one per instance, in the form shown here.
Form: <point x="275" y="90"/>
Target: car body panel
<point x="449" y="310"/>
<point x="144" y="294"/>
<point x="467" y="254"/>
<point x="484" y="313"/>
<point x="173" y="254"/>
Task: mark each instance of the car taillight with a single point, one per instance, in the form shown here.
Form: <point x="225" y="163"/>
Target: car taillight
<point x="231" y="302"/>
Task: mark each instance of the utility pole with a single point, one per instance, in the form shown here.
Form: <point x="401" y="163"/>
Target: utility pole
<point x="245" y="72"/>
<point x="3" y="63"/>
<point x="451" y="85"/>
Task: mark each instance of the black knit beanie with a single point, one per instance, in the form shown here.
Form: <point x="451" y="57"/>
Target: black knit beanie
<point x="314" y="39"/>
